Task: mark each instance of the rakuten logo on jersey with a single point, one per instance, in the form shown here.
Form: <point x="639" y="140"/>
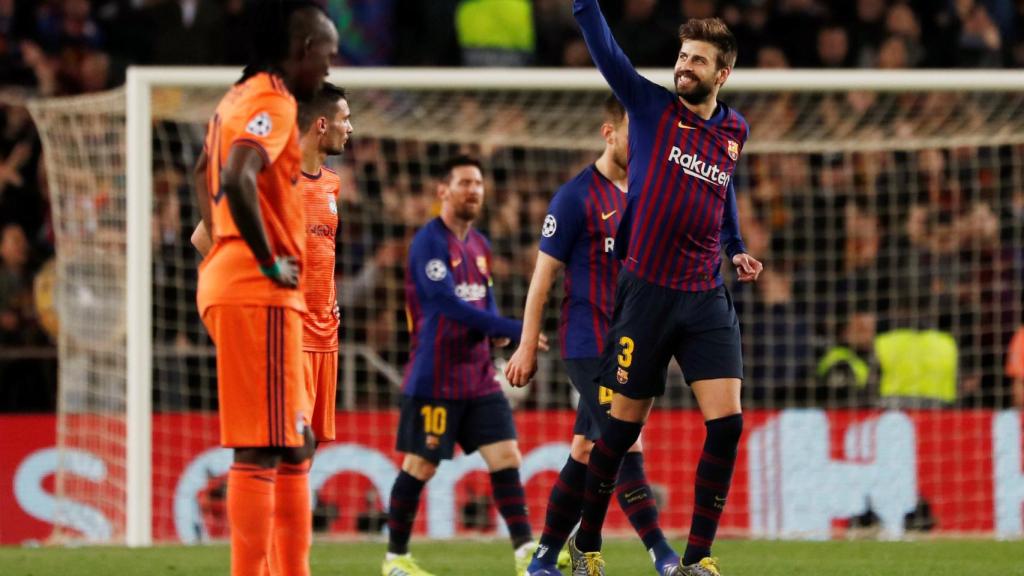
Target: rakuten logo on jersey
<point x="471" y="292"/>
<point x="694" y="166"/>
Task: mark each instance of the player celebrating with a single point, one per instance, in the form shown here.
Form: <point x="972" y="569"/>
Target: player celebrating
<point x="671" y="301"/>
<point x="578" y="236"/>
<point x="450" y="394"/>
<point x="248" y="286"/>
<point x="326" y="124"/>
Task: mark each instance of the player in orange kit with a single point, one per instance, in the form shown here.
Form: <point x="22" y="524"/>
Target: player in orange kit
<point x="326" y="124"/>
<point x="249" y="296"/>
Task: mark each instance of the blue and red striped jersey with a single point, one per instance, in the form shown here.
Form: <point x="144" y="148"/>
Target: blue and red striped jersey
<point x="682" y="204"/>
<point x="579" y="230"/>
<point x="452" y="314"/>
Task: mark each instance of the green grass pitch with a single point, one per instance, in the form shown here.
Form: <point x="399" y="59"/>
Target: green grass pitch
<point x="624" y="558"/>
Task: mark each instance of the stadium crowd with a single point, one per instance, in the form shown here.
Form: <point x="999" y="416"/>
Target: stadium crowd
<point x="947" y="236"/>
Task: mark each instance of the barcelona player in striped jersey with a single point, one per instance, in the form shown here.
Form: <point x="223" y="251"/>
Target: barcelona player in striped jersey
<point x="671" y="301"/>
<point x="578" y="237"/>
<point x="450" y="394"/>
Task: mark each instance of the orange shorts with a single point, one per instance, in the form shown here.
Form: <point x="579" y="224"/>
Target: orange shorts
<point x="259" y="375"/>
<point x="321" y="389"/>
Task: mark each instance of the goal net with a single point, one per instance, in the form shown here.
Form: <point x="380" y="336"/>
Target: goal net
<point x="888" y="210"/>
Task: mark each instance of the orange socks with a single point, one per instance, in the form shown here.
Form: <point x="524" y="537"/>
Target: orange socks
<point x="250" y="516"/>
<point x="293" y="521"/>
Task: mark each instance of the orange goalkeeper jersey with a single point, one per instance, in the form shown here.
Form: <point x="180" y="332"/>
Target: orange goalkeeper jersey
<point x="320" y="201"/>
<point x="259" y="113"/>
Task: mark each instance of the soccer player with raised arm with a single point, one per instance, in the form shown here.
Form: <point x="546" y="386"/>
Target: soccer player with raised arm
<point x="249" y="296"/>
<point x="671" y="301"/>
<point x="577" y="240"/>
<point x="450" y="394"/>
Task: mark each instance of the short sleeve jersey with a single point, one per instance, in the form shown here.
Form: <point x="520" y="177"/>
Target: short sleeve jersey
<point x="259" y="113"/>
<point x="320" y="199"/>
<point x="579" y="230"/>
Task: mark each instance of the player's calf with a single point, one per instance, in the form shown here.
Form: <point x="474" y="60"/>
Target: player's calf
<point x="637" y="502"/>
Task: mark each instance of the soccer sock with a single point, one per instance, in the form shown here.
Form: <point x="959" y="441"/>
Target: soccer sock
<point x="293" y="521"/>
<point x="563" y="513"/>
<point x="714" y="474"/>
<point x="510" y="498"/>
<point x="405" y="500"/>
<point x="250" y="517"/>
<point x="637" y="501"/>
<point x="602" y="471"/>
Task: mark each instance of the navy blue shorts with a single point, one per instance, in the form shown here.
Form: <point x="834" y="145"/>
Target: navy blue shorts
<point x="430" y="428"/>
<point x="653" y="324"/>
<point x="595" y="400"/>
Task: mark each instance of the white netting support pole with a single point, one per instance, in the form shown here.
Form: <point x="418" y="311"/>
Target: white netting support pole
<point x="139" y="288"/>
<point x="743" y="79"/>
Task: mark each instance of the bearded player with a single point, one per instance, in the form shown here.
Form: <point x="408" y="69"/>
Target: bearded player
<point x="671" y="301"/>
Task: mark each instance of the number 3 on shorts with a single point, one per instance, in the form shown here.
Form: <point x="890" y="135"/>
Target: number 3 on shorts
<point x="626" y="356"/>
<point x="435" y="419"/>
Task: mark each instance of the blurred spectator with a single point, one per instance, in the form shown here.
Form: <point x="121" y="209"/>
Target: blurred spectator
<point x="868" y="30"/>
<point x="365" y="30"/>
<point x="189" y="32"/>
<point x="777" y="338"/>
<point x="425" y="33"/>
<point x="892" y="54"/>
<point x="556" y="28"/>
<point x="834" y="47"/>
<point x="771" y="57"/>
<point x="794" y="27"/>
<point x="17" y="316"/>
<point x="645" y="36"/>
<point x="980" y="40"/>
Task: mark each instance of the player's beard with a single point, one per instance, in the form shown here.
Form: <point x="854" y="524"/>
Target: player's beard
<point x="467" y="212"/>
<point x="700" y="91"/>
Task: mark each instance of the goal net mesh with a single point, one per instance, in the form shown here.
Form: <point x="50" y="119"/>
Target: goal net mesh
<point x="876" y="341"/>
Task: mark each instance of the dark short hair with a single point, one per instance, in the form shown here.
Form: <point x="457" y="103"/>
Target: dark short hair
<point x="321" y="104"/>
<point x="715" y="32"/>
<point x="461" y="160"/>
<point x="614" y="112"/>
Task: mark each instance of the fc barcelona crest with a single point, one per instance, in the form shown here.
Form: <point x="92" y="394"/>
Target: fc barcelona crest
<point x="734" y="150"/>
<point x="433" y="442"/>
<point x="621" y="376"/>
<point x="481" y="265"/>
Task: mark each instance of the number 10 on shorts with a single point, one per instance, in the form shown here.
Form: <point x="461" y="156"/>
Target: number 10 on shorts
<point x="435" y="419"/>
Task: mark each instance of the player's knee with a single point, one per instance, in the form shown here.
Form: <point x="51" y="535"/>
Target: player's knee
<point x="262" y="457"/>
<point x="302" y="453"/>
<point x="637" y="446"/>
<point x="510" y="457"/>
<point x="580" y="449"/>
<point x="418" y="467"/>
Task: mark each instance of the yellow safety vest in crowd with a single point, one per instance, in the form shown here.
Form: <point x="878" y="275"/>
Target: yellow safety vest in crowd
<point x="917" y="364"/>
<point x="497" y="24"/>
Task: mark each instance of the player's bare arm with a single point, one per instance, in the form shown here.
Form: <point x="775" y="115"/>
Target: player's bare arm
<point x="239" y="183"/>
<point x="523" y="364"/>
<point x="202" y="239"/>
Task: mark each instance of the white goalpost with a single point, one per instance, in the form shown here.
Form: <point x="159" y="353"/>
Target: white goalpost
<point x="889" y="206"/>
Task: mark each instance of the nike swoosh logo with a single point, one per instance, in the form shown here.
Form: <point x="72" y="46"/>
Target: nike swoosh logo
<point x="685" y="127"/>
<point x="455" y="263"/>
<point x="608" y="215"/>
<point x="633" y="493"/>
